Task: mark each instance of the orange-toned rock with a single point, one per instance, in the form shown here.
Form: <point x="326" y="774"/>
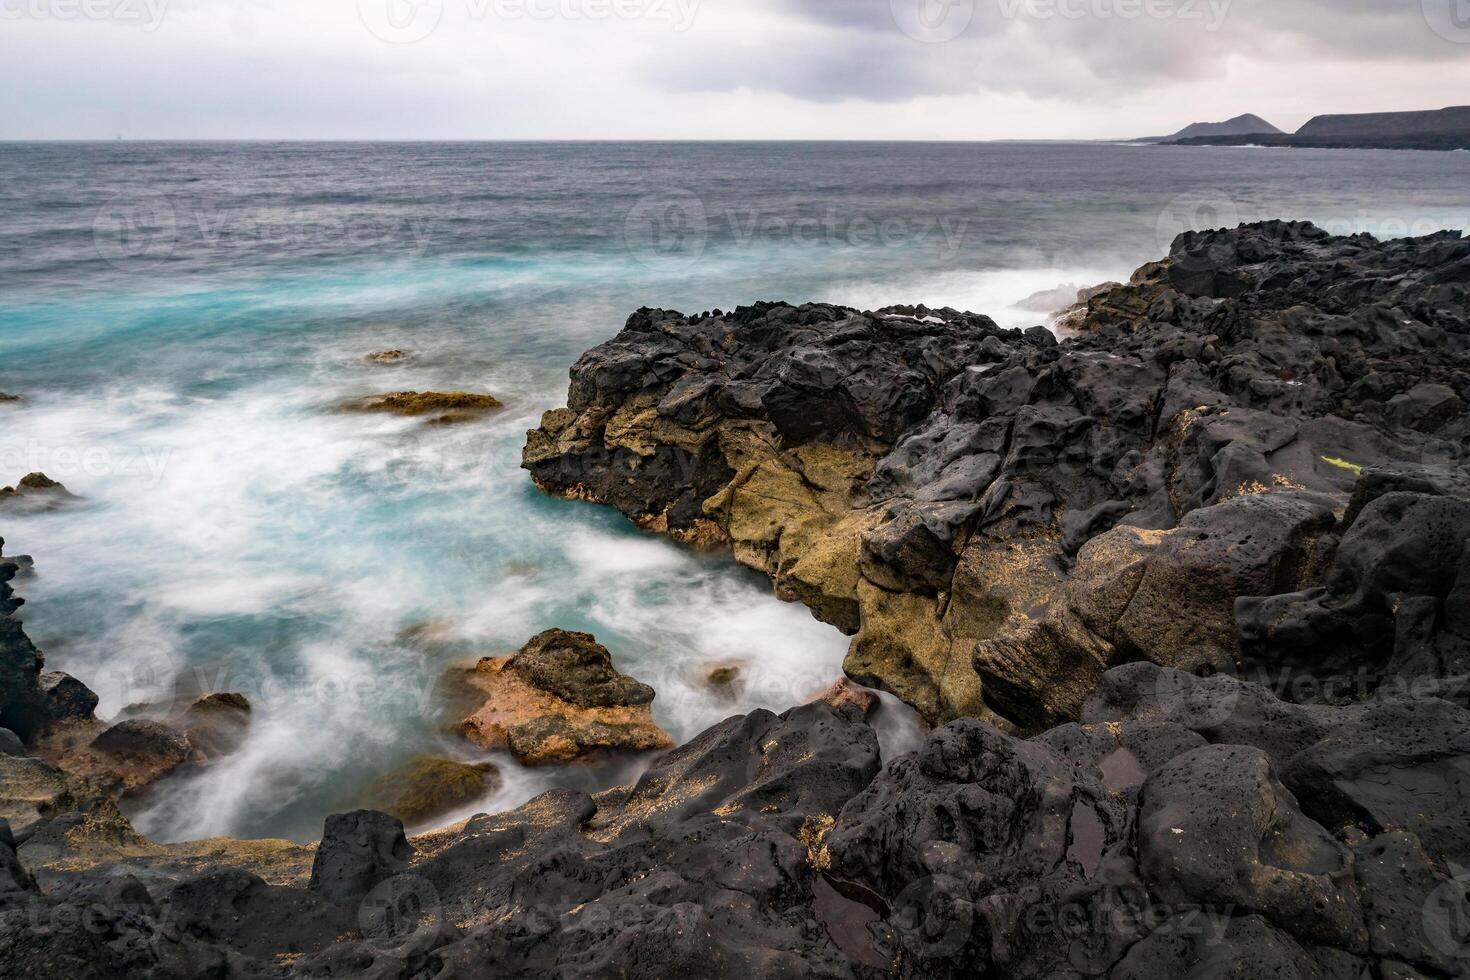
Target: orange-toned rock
<point x="441" y="406"/>
<point x="845" y="693"/>
<point x="557" y="700"/>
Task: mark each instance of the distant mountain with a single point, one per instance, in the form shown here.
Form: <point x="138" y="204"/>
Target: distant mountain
<point x="1380" y="125"/>
<point x="1246" y="125"/>
<point x="1439" y="129"/>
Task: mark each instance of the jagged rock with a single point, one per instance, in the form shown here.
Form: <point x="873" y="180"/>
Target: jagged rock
<point x="1268" y="858"/>
<point x="701" y="868"/>
<point x="358" y="851"/>
<point x="427" y="787"/>
<point x="31" y="702"/>
<point x="556" y="700"/>
<point x="394" y="356"/>
<point x="94" y="830"/>
<point x="1401" y="556"/>
<point x="1168" y="597"/>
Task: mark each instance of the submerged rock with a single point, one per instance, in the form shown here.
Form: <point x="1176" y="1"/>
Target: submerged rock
<point x="394" y="356"/>
<point x="217" y="724"/>
<point x="557" y="700"/>
<point x="443" y="406"/>
<point x="427" y="787"/>
<point x="34" y="493"/>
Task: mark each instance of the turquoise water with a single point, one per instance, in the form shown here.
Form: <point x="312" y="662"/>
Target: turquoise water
<point x="184" y="319"/>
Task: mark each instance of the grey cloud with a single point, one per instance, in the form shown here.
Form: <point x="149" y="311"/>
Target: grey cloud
<point x="866" y="56"/>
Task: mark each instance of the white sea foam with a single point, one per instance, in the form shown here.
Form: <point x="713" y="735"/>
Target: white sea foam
<point x="284" y="546"/>
<point x="1001" y="294"/>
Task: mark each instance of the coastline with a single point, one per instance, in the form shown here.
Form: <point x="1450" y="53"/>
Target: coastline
<point x="1054" y="537"/>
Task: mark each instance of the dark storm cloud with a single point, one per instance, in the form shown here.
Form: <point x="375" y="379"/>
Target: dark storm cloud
<point x="1066" y="48"/>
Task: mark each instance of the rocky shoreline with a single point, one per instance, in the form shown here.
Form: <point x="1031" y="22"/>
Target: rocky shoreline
<point x="1187" y="597"/>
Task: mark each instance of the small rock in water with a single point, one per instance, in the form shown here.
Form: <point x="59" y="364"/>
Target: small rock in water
<point x="426" y="787"/>
<point x="557" y="700"/>
<point x="426" y="635"/>
<point x="4" y="397"/>
<point x="844" y="693"/>
<point x="35" y="492"/>
<point x="445" y="406"/>
<point x="389" y="356"/>
<point x="725" y="680"/>
<point x="217" y="723"/>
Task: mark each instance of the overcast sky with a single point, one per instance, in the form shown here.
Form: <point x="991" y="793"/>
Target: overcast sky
<point x="713" y="69"/>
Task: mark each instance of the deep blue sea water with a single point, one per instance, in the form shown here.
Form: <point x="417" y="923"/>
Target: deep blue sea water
<point x="182" y="320"/>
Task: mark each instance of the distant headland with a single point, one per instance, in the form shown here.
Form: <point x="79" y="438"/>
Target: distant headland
<point x="1438" y="129"/>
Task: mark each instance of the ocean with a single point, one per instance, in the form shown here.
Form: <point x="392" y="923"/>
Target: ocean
<point x="184" y="319"/>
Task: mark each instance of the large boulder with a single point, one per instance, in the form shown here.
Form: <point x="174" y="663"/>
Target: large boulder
<point x="358" y="851"/>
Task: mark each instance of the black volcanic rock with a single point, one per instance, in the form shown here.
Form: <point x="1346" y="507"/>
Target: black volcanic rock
<point x="945" y="489"/>
<point x="357" y="852"/>
<point x="31" y="701"/>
